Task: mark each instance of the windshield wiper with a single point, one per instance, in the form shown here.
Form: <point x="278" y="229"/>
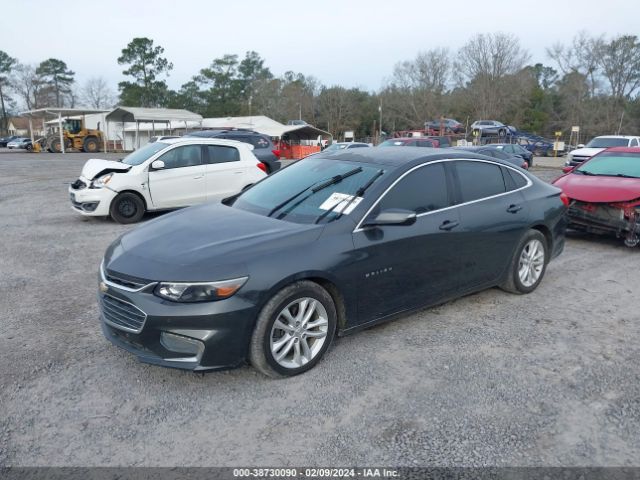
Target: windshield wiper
<point x="358" y="193"/>
<point x="315" y="188"/>
<point x="585" y="172"/>
<point x="624" y="175"/>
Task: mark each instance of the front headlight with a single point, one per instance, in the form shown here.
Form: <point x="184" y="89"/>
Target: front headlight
<point x="199" y="291"/>
<point x="102" y="181"/>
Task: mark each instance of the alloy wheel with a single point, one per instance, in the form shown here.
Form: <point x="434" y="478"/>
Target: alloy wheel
<point x="299" y="332"/>
<point x="531" y="262"/>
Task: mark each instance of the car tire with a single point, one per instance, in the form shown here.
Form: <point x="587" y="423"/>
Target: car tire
<point x="28" y="148"/>
<point x="476" y="132"/>
<point x="502" y="132"/>
<point x="530" y="256"/>
<point x="281" y="329"/>
<point x="127" y="208"/>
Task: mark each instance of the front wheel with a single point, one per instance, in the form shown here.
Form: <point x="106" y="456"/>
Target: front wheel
<point x="294" y="330"/>
<point x="127" y="207"/>
<point x="528" y="264"/>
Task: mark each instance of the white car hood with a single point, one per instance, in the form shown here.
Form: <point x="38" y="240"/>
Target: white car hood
<point x="94" y="166"/>
<point x="586" y="152"/>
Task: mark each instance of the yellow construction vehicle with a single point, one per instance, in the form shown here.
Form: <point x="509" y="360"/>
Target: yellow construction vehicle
<point x="75" y="137"/>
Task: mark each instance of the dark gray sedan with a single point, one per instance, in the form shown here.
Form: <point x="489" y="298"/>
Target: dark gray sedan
<point x="328" y="246"/>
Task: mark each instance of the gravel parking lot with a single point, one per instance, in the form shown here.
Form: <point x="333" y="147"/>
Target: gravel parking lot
<point x="551" y="378"/>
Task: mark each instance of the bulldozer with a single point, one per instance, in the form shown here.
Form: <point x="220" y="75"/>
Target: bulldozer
<point x="76" y="137"/>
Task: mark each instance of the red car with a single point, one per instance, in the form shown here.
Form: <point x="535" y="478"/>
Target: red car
<point x="604" y="194"/>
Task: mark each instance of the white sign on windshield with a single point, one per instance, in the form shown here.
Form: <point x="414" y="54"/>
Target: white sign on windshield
<point x="337" y="201"/>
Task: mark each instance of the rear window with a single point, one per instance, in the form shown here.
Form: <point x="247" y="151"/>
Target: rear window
<point x="221" y="154"/>
<point x="255" y="140"/>
<point x="479" y="180"/>
<point x="607" y="142"/>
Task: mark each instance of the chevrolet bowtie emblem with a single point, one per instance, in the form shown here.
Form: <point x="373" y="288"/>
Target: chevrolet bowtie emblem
<point x="103" y="287"/>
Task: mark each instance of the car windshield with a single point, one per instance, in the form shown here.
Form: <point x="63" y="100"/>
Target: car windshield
<point x="335" y="147"/>
<point x="612" y="164"/>
<point x="604" y="142"/>
<point x="290" y="194"/>
<point x="144" y="153"/>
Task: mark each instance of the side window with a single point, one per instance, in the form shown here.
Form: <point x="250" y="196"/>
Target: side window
<point x="517" y="179"/>
<point x="425" y="143"/>
<point x="489" y="153"/>
<point x="187" y="156"/>
<point x="422" y="190"/>
<point x="479" y="180"/>
<point x="221" y="154"/>
<point x="412" y="143"/>
<point x="634" y="142"/>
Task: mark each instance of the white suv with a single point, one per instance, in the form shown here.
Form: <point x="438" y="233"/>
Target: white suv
<point x="598" y="144"/>
<point x="166" y="174"/>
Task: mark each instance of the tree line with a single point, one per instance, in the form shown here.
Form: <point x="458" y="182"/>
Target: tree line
<point x="591" y="81"/>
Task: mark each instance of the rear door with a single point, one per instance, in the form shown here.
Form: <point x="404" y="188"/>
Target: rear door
<point x="493" y="217"/>
<point x="225" y="173"/>
<point x="181" y="182"/>
<point x="402" y="267"/>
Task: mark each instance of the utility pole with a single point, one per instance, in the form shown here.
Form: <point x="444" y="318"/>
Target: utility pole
<point x="380" y="125"/>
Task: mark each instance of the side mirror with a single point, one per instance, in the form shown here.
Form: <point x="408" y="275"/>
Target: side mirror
<point x="392" y="216"/>
<point x="567" y="169"/>
<point x="580" y="145"/>
<point x="157" y="165"/>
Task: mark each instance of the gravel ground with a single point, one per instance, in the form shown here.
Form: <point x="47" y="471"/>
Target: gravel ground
<point x="551" y="378"/>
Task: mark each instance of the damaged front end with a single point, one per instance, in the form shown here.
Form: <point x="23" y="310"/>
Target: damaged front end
<point x="621" y="219"/>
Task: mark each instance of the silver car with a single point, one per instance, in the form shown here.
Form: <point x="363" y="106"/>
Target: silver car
<point x="489" y="127"/>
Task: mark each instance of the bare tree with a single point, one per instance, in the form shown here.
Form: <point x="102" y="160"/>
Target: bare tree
<point x="487" y="64"/>
<point x="97" y="94"/>
<point x="620" y="63"/>
<point x="416" y="90"/>
<point x="580" y="57"/>
<point x="29" y="86"/>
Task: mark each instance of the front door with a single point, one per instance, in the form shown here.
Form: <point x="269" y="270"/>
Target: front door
<point x="182" y="180"/>
<point x="403" y="267"/>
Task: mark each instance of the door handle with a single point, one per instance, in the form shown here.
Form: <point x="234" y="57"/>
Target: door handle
<point x="199" y="176"/>
<point x="449" y="225"/>
<point x="514" y="208"/>
<point x="239" y="172"/>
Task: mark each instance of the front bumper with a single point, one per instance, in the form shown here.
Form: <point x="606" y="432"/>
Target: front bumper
<point x="91" y="201"/>
<point x="190" y="336"/>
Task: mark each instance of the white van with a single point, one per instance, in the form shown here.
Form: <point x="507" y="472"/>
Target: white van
<point x="166" y="174"/>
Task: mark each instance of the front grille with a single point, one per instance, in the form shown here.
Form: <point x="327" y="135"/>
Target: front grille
<point x="78" y="185"/>
<point x="121" y="314"/>
<point x="125" y="280"/>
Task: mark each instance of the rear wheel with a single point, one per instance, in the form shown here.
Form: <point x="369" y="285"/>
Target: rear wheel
<point x="293" y="331"/>
<point x="127" y="207"/>
<point x="90" y="145"/>
<point x="502" y="132"/>
<point x="528" y="264"/>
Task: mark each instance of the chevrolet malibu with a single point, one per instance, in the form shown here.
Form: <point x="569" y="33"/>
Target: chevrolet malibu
<point x="166" y="174"/>
<point x="328" y="246"/>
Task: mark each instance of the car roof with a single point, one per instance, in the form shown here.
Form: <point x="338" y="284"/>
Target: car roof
<point x="398" y="156"/>
<point x="617" y="136"/>
<point x="205" y="141"/>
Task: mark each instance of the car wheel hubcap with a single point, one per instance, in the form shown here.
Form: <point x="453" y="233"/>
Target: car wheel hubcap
<point x="531" y="263"/>
<point x="299" y="332"/>
<point x="127" y="208"/>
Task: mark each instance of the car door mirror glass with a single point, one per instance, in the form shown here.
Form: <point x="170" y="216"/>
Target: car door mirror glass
<point x="157" y="165"/>
<point x="392" y="216"/>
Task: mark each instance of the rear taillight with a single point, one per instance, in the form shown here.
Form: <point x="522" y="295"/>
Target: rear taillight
<point x="262" y="167"/>
<point x="565" y="199"/>
<point x="276" y="153"/>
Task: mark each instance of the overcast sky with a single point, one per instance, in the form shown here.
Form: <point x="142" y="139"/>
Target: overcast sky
<point x="354" y="44"/>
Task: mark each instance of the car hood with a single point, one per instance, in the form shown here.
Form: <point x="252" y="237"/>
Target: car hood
<point x="586" y="152"/>
<point x="599" y="189"/>
<point x="96" y="166"/>
<point x="203" y="243"/>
